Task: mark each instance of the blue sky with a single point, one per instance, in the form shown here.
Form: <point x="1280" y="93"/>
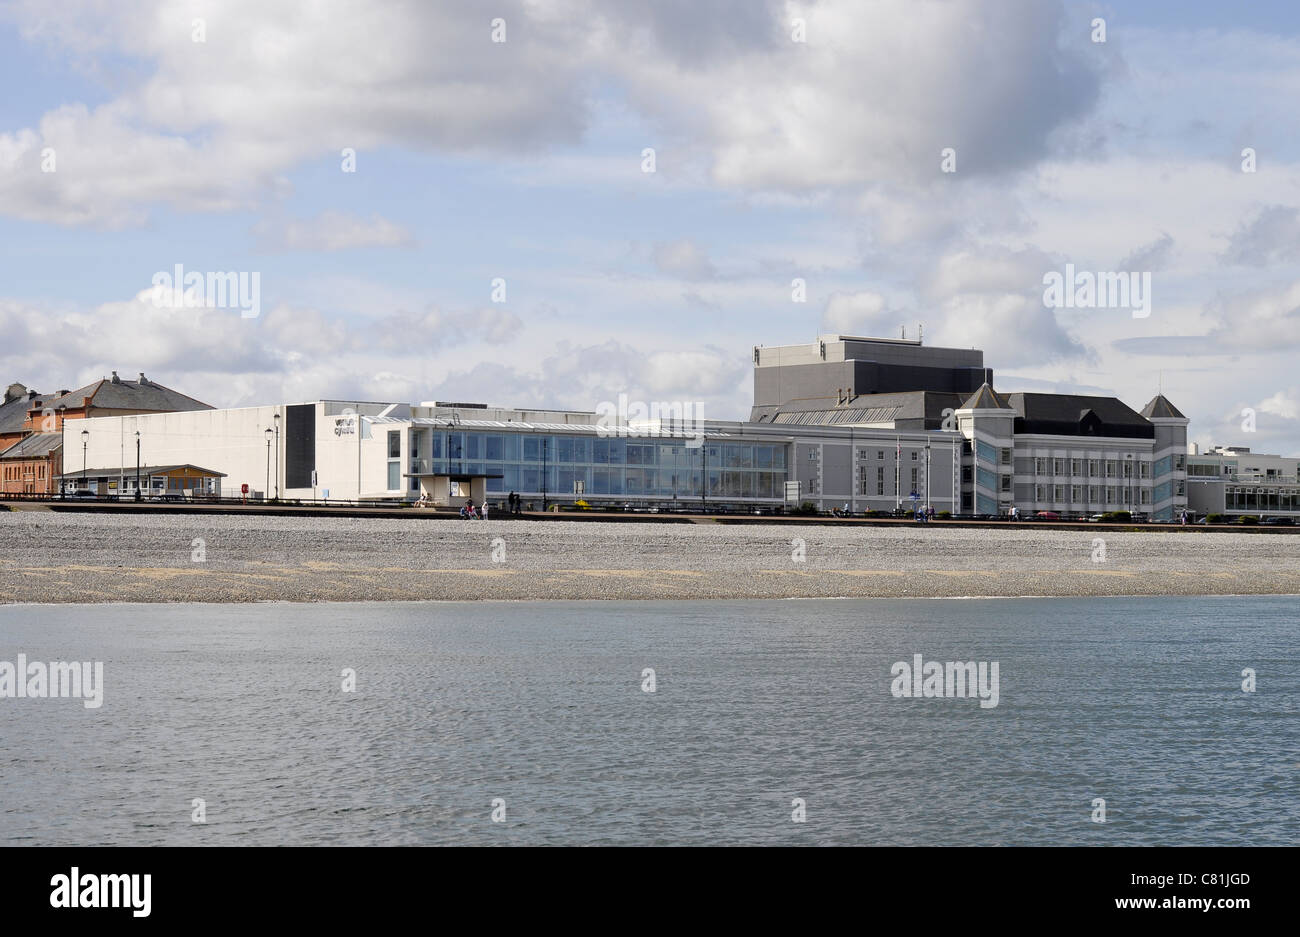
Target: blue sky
<point x="774" y="160"/>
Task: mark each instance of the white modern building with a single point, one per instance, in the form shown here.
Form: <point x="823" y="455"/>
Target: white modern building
<point x="838" y="431"/>
<point x="1233" y="480"/>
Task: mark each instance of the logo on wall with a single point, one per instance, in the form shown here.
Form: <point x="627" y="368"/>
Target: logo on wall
<point x="345" y="426"/>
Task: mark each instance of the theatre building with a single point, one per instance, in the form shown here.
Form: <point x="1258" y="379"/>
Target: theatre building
<point x="862" y="423"/>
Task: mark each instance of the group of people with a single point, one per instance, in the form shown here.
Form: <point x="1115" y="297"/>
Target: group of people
<point x="469" y="512"/>
<point x="924" y="514"/>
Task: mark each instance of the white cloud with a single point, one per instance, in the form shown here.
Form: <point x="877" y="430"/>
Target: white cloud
<point x="683" y="258"/>
<point x="333" y="231"/>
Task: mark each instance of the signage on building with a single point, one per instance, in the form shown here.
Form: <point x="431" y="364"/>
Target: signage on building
<point x="345" y="426"/>
<point x="792" y="492"/>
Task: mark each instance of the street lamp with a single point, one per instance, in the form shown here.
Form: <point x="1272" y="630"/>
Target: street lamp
<point x="268" y="434"/>
<point x="137" y="465"/>
<point x="85" y="438"/>
<point x="277" y="457"/>
<point x="63" y="452"/>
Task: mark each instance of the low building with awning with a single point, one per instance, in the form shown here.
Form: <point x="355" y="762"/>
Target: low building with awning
<point x="183" y="480"/>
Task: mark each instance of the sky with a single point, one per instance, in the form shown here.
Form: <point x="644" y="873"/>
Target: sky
<point x="432" y="213"/>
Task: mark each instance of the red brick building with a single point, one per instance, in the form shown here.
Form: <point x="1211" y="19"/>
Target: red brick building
<point x="31" y="465"/>
<point x="31" y="424"/>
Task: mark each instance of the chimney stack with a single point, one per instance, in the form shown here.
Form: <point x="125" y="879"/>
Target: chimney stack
<point x="115" y="379"/>
<point x="142" y="378"/>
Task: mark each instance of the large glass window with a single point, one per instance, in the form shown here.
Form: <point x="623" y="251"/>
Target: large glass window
<point x="394" y="444"/>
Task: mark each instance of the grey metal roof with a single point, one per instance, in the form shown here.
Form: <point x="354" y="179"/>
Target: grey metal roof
<point x="586" y="429"/>
<point x="838" y="417"/>
<point x="35" y="446"/>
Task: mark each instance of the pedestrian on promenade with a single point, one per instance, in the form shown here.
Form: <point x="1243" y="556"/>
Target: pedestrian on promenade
<point x="485" y="509"/>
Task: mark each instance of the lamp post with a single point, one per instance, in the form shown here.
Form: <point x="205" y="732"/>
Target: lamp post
<point x="277" y="457"/>
<point x="267" y="489"/>
<point x="85" y="438"/>
<point x="63" y="452"/>
<point x="137" y="465"/>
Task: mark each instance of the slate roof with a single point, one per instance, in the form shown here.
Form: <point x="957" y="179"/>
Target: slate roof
<point x="128" y="395"/>
<point x="1078" y="415"/>
<point x="986" y="398"/>
<point x="1159" y="406"/>
<point x="1071" y="408"/>
<point x="12" y="414"/>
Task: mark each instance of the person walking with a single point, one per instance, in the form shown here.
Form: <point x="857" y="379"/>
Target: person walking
<point x="485" y="509"/>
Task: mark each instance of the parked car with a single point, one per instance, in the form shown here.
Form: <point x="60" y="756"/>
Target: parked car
<point x="1278" y="522"/>
<point x="1047" y="516"/>
<point x="1095" y="518"/>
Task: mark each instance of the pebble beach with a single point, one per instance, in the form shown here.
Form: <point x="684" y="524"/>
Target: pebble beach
<point x="53" y="557"/>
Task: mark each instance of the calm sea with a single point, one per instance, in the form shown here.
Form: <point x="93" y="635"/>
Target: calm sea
<point x="542" y="709"/>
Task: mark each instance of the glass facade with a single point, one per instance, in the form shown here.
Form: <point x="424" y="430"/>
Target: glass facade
<point x="614" y="467"/>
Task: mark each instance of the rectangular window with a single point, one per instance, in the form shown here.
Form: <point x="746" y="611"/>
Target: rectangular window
<point x="1076" y="493"/>
<point x="394" y="476"/>
<point x="1076" y="467"/>
<point x="880" y="454"/>
<point x="1058" y="466"/>
<point x="1112" y="468"/>
<point x="395" y="444"/>
<point x="914" y="454"/>
<point x="915" y="472"/>
<point x="1006" y="456"/>
<point x="1094" y="468"/>
<point x="1040" y="466"/>
<point x="1058" y="493"/>
<point x="1006" y="482"/>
